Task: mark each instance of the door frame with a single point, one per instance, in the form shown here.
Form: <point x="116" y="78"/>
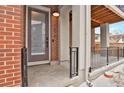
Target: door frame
<point x="46" y="9"/>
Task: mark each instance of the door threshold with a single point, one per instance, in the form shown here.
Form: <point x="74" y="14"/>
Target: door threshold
<point x="38" y="63"/>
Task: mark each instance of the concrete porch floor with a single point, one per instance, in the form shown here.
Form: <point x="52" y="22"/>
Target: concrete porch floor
<point x="49" y="75"/>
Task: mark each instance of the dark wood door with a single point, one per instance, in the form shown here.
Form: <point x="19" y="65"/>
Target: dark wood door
<point x="38" y="35"/>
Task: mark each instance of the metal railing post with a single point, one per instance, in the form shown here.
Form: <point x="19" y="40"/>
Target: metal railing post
<point x="70" y="62"/>
<point x="24" y="67"/>
<point x="118" y="53"/>
<point x="123" y="51"/>
<point x="107" y="56"/>
<point x="73" y="61"/>
<point x="77" y="61"/>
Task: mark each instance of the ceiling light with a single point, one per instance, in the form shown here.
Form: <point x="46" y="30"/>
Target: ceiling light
<point x="55" y="14"/>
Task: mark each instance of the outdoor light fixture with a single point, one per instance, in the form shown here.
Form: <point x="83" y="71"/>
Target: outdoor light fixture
<point x="55" y="13"/>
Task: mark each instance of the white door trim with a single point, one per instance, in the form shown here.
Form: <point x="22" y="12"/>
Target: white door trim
<point x="46" y="9"/>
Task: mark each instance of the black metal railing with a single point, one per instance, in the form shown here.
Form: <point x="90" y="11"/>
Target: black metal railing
<point x="105" y="56"/>
<point x="24" y="67"/>
<point x="73" y="62"/>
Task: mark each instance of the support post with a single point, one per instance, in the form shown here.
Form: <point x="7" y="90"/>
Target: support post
<point x="104" y="29"/>
<point x="107" y="56"/>
<point x="70" y="62"/>
<point x="77" y="61"/>
<point x="81" y="36"/>
<point x="123" y="51"/>
<point x="118" y="53"/>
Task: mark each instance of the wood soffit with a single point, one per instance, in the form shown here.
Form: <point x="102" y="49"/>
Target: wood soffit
<point x="99" y="14"/>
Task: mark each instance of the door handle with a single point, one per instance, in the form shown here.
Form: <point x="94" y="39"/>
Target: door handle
<point x="47" y="44"/>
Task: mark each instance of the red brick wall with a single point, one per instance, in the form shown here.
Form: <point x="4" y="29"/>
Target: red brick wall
<point x="54" y="32"/>
<point x="54" y="40"/>
<point x="10" y="45"/>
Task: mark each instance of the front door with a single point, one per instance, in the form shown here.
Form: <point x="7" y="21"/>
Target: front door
<point x="38" y="35"/>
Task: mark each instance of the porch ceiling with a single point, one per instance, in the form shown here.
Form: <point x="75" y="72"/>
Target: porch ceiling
<point x="101" y="14"/>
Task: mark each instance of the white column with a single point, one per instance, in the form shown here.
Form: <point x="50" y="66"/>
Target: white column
<point x="81" y="35"/>
<point x="104" y="28"/>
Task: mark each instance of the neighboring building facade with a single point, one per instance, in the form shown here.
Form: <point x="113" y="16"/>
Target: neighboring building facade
<point x="114" y="40"/>
<point x="117" y="38"/>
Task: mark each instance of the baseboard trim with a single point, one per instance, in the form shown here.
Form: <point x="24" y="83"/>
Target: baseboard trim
<point x="38" y="63"/>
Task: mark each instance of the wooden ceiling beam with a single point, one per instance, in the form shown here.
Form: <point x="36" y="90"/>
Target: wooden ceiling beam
<point x="113" y="21"/>
<point x="108" y="18"/>
<point x="96" y="21"/>
<point x="109" y="15"/>
<point x="99" y="11"/>
<point x="96" y="7"/>
<point x="93" y="7"/>
<point x="94" y="24"/>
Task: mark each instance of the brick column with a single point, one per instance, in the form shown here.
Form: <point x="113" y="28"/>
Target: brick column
<point x="54" y="38"/>
<point x="10" y="45"/>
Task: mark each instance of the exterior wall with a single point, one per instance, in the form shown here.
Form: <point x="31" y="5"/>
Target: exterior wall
<point x="11" y="42"/>
<point x="64" y="32"/>
<point x="10" y="45"/>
